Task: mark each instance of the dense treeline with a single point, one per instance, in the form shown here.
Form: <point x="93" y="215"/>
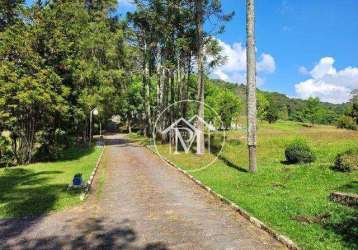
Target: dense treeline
<point x="61" y="59"/>
<point x="273" y="106"/>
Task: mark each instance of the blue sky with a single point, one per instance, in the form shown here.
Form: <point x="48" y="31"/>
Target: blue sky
<point x="309" y="47"/>
<point x="298" y="34"/>
<point x="304" y="47"/>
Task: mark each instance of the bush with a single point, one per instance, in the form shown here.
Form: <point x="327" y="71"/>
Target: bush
<point x="271" y="114"/>
<point x="346" y="122"/>
<point x="6" y="155"/>
<point x="299" y="152"/>
<point x="53" y="145"/>
<point x="347" y="161"/>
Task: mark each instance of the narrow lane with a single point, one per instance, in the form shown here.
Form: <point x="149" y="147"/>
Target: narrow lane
<point x="144" y="205"/>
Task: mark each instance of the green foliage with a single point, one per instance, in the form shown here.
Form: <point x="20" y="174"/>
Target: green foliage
<point x="354" y="103"/>
<point x="354" y="112"/>
<point x="347" y="122"/>
<point x="350" y="118"/>
<point x="9" y="12"/>
<point x="272" y="114"/>
<point x="229" y="107"/>
<point x="311" y="110"/>
<point x="58" y="61"/>
<point x="299" y="152"/>
<point x="347" y="161"/>
<point x="53" y="145"/>
<point x="130" y="104"/>
<point x="5" y="152"/>
<point x="262" y="105"/>
<point x="295" y="109"/>
<point x="225" y="102"/>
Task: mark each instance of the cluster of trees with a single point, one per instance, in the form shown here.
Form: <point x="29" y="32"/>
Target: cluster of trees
<point x="60" y="59"/>
<point x="273" y="106"/>
<point x="349" y="119"/>
<point x="172" y="45"/>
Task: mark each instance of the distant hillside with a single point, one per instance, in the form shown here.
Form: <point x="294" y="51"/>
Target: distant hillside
<point x="289" y="108"/>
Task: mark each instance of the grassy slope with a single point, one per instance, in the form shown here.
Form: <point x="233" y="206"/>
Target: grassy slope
<point x="38" y="188"/>
<point x="278" y="192"/>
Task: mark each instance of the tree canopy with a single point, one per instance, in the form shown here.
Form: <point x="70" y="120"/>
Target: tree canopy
<point x="61" y="59"/>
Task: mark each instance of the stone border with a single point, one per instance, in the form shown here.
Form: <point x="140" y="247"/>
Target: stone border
<point x="90" y="181"/>
<point x="256" y="222"/>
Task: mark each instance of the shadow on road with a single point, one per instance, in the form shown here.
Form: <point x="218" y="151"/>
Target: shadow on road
<point x="120" y="142"/>
<point x="93" y="233"/>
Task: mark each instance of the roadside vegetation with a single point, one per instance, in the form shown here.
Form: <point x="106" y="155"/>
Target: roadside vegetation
<point x="60" y="60"/>
<point x="39" y="188"/>
<point x="291" y="198"/>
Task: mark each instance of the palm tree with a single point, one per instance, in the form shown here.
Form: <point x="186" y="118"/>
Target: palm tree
<point x="251" y="83"/>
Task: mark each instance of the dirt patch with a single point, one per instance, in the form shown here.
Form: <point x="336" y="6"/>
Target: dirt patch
<point x="318" y="219"/>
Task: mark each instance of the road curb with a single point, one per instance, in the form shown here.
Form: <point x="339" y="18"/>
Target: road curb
<point x="94" y="171"/>
<point x="256" y="222"/>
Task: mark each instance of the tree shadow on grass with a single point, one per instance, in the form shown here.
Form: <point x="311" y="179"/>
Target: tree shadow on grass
<point x="347" y="228"/>
<point x="216" y="150"/>
<point x="92" y="233"/>
<point x="75" y="153"/>
<point x="351" y="187"/>
<point x="25" y="192"/>
<point x="68" y="154"/>
<point x="286" y="162"/>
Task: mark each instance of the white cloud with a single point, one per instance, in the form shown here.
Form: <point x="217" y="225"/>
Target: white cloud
<point x="127" y="3"/>
<point x="303" y="70"/>
<point x="327" y="83"/>
<point x="266" y="64"/>
<point x="234" y="69"/>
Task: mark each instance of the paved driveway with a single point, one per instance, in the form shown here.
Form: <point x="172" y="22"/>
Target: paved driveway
<point x="144" y="204"/>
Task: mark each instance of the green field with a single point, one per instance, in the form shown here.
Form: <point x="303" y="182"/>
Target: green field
<point x="286" y="197"/>
<point x="39" y="188"/>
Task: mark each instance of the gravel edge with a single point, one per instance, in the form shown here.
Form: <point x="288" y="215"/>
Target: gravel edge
<point x="94" y="171"/>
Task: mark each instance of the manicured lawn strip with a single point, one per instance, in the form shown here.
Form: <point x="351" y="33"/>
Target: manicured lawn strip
<point x="101" y="175"/>
<point x="39" y="188"/>
<point x="279" y="192"/>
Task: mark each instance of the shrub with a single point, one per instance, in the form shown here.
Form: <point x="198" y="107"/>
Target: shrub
<point x="299" y="152"/>
<point x="271" y="114"/>
<point x="6" y="155"/>
<point x="347" y="161"/>
<point x="53" y="146"/>
<point x="346" y="122"/>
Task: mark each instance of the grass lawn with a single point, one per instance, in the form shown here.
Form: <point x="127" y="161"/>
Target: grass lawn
<point x="39" y="188"/>
<point x="278" y="193"/>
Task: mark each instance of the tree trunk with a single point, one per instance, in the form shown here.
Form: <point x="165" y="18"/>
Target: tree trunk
<point x="159" y="79"/>
<point x="146" y="94"/>
<point x="251" y="84"/>
<point x="200" y="142"/>
<point x="186" y="87"/>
